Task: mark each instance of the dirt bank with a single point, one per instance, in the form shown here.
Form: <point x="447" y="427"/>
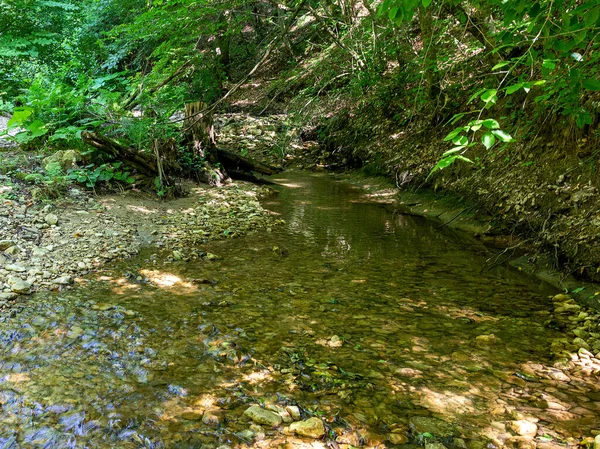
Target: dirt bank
<point x="533" y="189"/>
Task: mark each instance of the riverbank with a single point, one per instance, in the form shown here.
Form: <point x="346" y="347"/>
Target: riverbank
<point x="46" y="245"/>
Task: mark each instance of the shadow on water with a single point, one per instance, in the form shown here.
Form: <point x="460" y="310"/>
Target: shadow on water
<point x="378" y="323"/>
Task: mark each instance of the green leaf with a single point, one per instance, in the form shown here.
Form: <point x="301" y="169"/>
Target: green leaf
<point x="512" y="89"/>
<point x="460" y="140"/>
<point x="549" y="64"/>
<point x="503" y="136"/>
<point x="456" y="117"/>
<point x="454" y="150"/>
<point x="500" y="65"/>
<point x="475" y="125"/>
<point x="488" y="140"/>
<point x="426" y="3"/>
<point x="476" y="95"/>
<point x="489" y="95"/>
<point x="591" y="84"/>
<point x="490" y="123"/>
<point x="19" y="116"/>
<point x="591" y="17"/>
<point x="577" y="56"/>
<point x="452" y="134"/>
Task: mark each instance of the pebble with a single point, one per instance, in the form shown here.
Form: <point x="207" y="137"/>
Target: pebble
<point x="523" y="427"/>
<point x="398" y="438"/>
<point x="51" y="219"/>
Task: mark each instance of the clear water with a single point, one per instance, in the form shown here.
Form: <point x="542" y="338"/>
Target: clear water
<point x="365" y="318"/>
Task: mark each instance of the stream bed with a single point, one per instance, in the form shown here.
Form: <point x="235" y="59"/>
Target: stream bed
<point x="389" y="328"/>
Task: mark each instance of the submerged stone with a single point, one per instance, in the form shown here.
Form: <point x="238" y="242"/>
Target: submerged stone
<point x="18" y="285"/>
<point x="312" y="427"/>
<point x="523" y="427"/>
<point x="429" y="424"/>
<point x="262" y="416"/>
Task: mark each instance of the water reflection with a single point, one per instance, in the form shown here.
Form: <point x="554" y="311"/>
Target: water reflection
<point x="378" y="322"/>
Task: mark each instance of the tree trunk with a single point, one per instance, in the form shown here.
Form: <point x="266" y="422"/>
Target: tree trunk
<point x="199" y="128"/>
<point x="432" y="75"/>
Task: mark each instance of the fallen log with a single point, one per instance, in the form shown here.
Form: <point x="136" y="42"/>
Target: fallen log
<point x="233" y="161"/>
<point x="159" y="164"/>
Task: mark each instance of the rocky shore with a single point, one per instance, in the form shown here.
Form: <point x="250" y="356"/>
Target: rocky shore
<point x="47" y="246"/>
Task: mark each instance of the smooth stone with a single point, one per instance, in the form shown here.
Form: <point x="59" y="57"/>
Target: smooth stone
<point x="211" y="418"/>
<point x="560" y="376"/>
<point x="51" y="219"/>
<point x="398" y="438"/>
<point x="5" y="244"/>
<point x="580" y="343"/>
<point x="20" y="286"/>
<point x="63" y="280"/>
<point x="8" y="296"/>
<point x="102" y="306"/>
<point x="192" y="416"/>
<point x="312" y="427"/>
<point x="597" y="442"/>
<point x="262" y="416"/>
<point x="335" y="342"/>
<point x="486" y="339"/>
<point x="434" y="446"/>
<point x="15" y="268"/>
<point x="294" y="411"/>
<point x="523" y="427"/>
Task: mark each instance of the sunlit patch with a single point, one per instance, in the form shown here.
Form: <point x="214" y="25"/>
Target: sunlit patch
<point x="142" y="209"/>
<point x="206" y="401"/>
<point x="17" y="378"/>
<point x="290" y="185"/>
<point x="445" y="402"/>
<point x="258" y="377"/>
<point x="166" y="280"/>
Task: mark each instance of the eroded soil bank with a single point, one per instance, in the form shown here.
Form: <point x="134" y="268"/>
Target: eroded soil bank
<point x="543" y="189"/>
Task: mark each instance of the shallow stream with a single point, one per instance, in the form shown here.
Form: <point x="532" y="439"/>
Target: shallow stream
<point x="378" y="323"/>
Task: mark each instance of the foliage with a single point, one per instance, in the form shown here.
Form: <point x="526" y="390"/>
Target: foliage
<point x="91" y="175"/>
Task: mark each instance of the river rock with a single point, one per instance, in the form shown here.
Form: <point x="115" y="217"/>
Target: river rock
<point x="398" y="438"/>
<point x="580" y="343"/>
<point x="486" y="339"/>
<point x="6" y="296"/>
<point x="63" y="280"/>
<point x="15" y="268"/>
<point x="18" y="285"/>
<point x="192" y="416"/>
<point x="66" y="159"/>
<point x="5" y="244"/>
<point x="523" y="427"/>
<point x="51" y="219"/>
<point x="262" y="416"/>
<point x="335" y="342"/>
<point x="294" y="412"/>
<point x="312" y="427"/>
<point x="211" y="418"/>
<point x="434" y="446"/>
<point x="436" y="426"/>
